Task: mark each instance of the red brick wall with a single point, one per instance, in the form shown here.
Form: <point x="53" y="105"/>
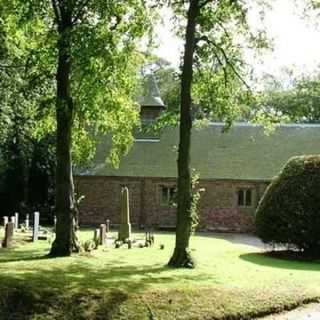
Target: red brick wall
<point x="218" y="206"/>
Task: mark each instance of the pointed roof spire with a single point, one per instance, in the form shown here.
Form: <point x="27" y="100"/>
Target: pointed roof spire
<point x="151" y="96"/>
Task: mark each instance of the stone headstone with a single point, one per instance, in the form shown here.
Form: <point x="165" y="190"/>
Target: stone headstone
<point x="5" y="221"/>
<point x="125" y="226"/>
<point x="16" y="220"/>
<point x="12" y="219"/>
<point x="96" y="237"/>
<point x="35" y="234"/>
<point x="27" y="222"/>
<point x="108" y="226"/>
<point x="54" y="223"/>
<point x="8" y="235"/>
<point x="102" y="234"/>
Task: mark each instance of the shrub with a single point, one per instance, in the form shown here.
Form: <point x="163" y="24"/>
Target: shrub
<point x="289" y="211"/>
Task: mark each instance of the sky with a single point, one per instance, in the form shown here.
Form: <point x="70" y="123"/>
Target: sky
<point x="296" y="41"/>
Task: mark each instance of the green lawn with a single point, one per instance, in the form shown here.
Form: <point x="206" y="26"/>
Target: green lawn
<point x="232" y="281"/>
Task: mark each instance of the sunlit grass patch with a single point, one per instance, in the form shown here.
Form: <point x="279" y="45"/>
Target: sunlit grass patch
<point x="231" y="281"/>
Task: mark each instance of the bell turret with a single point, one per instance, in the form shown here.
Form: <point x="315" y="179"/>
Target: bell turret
<point x="151" y="102"/>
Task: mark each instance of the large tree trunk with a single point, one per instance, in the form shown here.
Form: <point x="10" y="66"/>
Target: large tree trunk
<point x="181" y="256"/>
<point x="65" y="242"/>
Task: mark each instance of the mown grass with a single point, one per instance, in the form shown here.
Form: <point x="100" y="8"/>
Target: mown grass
<point x="231" y="281"/>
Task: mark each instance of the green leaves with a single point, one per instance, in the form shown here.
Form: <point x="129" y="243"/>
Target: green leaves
<point x="105" y="77"/>
<point x="104" y="40"/>
<point x="299" y="103"/>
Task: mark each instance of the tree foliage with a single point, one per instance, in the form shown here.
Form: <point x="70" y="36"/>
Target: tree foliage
<point x="300" y="102"/>
<point x="212" y="84"/>
<point x="23" y="91"/>
<point x="85" y="51"/>
<point x="288" y="213"/>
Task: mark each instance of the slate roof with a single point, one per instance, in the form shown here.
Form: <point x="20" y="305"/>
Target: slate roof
<point x="244" y="152"/>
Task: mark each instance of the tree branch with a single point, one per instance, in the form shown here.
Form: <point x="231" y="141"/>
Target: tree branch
<point x="231" y="65"/>
<point x="79" y="12"/>
<point x="11" y="66"/>
<point x="56" y="10"/>
<point x="220" y="24"/>
<point x="225" y="57"/>
<point x="204" y="3"/>
<point x="225" y="73"/>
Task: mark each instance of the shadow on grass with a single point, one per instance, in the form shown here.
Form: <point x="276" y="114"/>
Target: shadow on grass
<point x="82" y="288"/>
<point x="80" y="292"/>
<point x="262" y="259"/>
<point x="12" y="255"/>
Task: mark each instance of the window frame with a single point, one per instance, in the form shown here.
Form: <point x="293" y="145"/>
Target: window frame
<point x="171" y="192"/>
<point x="245" y="197"/>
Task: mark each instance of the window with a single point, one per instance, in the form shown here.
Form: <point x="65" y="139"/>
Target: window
<point x="245" y="197"/>
<point x="167" y="196"/>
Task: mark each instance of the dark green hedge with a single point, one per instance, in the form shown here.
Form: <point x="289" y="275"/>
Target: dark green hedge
<point x="289" y="211"/>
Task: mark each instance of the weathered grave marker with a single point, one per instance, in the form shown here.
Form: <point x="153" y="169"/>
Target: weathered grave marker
<point x="96" y="237"/>
<point x="5" y="221"/>
<point x="35" y="233"/>
<point x="16" y="220"/>
<point x="12" y="220"/>
<point x="125" y="226"/>
<point x="102" y="234"/>
<point x="27" y="222"/>
<point x="96" y="234"/>
<point x="149" y="239"/>
<point x="8" y="235"/>
<point x="108" y="226"/>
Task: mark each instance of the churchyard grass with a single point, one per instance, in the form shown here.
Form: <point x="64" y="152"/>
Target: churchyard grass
<point x="231" y="281"/>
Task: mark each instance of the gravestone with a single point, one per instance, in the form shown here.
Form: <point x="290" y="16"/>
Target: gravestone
<point x="96" y="237"/>
<point x="8" y="235"/>
<point x="27" y="222"/>
<point x="102" y="234"/>
<point x="96" y="234"/>
<point x="12" y="220"/>
<point x="16" y="220"/>
<point x="125" y="226"/>
<point x="54" y="223"/>
<point x="35" y="233"/>
<point x="108" y="226"/>
<point x="5" y="221"/>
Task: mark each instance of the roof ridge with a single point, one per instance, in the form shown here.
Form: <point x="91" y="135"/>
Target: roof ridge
<point x="251" y="124"/>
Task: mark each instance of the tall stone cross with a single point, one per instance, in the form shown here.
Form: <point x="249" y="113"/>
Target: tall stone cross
<point x="125" y="226"/>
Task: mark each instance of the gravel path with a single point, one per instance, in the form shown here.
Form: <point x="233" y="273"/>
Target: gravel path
<point x="238" y="238"/>
<point x="308" y="312"/>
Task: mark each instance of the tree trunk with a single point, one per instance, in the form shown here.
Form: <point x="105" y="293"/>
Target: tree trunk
<point x="66" y="241"/>
<point x="181" y="255"/>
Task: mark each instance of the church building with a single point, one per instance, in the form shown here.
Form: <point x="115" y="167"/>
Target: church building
<point x="234" y="166"/>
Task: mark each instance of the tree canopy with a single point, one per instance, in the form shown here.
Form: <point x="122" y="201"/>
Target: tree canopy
<point x="212" y="81"/>
<point x="84" y="56"/>
<point x="300" y="102"/>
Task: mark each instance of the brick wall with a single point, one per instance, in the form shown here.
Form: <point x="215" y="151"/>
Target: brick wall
<point x="219" y="208"/>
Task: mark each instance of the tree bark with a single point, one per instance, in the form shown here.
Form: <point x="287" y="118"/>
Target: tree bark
<point x="66" y="241"/>
<point x="181" y="256"/>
